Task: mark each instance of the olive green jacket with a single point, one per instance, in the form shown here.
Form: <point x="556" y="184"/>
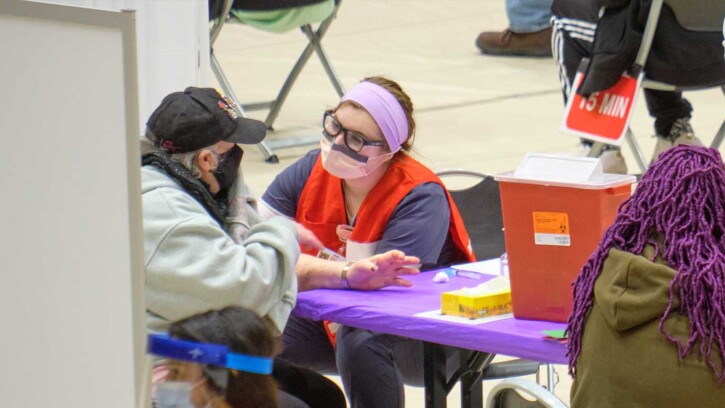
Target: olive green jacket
<point x="625" y="361"/>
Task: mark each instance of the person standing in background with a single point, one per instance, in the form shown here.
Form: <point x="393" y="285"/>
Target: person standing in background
<point x="528" y="33"/>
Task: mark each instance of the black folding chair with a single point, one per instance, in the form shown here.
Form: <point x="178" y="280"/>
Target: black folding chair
<point x="692" y="15"/>
<point x="480" y="208"/>
<point x="219" y="14"/>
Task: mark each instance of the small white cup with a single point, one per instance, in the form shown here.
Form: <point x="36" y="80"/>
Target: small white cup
<point x="504" y="265"/>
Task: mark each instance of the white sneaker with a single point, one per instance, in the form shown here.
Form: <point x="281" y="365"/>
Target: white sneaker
<point x="681" y="133"/>
<point x="611" y="158"/>
<point x="613" y="162"/>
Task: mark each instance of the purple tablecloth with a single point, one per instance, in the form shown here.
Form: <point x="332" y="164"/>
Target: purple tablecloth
<point x="391" y="310"/>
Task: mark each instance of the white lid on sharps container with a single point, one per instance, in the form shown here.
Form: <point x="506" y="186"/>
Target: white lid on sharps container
<point x="564" y="171"/>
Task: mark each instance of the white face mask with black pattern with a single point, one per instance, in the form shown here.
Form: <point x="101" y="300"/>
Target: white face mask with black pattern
<point x="339" y="161"/>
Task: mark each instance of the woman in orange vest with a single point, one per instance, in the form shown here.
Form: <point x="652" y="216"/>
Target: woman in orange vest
<point x="363" y="194"/>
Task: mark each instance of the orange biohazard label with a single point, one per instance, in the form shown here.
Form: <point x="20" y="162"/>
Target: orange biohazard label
<point x="551" y="223"/>
<point x="551" y="229"/>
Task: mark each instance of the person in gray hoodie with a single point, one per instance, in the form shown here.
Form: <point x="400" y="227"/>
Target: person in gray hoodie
<point x="190" y="167"/>
<point x="204" y="246"/>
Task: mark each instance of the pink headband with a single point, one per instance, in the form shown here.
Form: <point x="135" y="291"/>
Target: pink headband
<point x="385" y="110"/>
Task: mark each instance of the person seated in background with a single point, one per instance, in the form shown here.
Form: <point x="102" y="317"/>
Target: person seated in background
<point x="195" y="349"/>
<point x="362" y="193"/>
<point x="528" y="33"/>
<point x="678" y="57"/>
<point x="648" y="323"/>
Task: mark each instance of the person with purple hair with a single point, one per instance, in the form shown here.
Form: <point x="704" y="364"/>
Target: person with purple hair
<point x="648" y="324"/>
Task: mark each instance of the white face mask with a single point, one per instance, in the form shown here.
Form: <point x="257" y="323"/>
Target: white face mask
<point x="338" y="161"/>
<point x="176" y="394"/>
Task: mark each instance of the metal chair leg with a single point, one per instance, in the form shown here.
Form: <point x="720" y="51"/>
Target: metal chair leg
<point x="596" y="149"/>
<point x="269" y="156"/>
<point x="720" y="133"/>
<point x="287" y="86"/>
<point x="719" y="137"/>
<point x="638" y="156"/>
<point x="312" y="45"/>
<point x="315" y="39"/>
<point x="218" y="24"/>
<point x="550" y="378"/>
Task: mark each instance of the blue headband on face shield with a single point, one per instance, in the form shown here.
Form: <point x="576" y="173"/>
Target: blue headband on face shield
<point x="205" y="353"/>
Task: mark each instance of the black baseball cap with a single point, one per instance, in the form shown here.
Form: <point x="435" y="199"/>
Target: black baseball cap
<point x="199" y="118"/>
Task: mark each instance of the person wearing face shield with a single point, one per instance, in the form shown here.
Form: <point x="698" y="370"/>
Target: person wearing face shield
<point x="362" y="193"/>
<point x="221" y="359"/>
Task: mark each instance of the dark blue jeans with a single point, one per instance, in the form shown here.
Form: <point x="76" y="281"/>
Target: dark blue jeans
<point x="373" y="366"/>
<point x="528" y="16"/>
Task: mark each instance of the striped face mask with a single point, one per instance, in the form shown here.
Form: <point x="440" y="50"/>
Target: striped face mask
<point x="343" y="163"/>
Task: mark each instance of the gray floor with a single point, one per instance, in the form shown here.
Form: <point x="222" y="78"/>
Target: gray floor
<point x="473" y="111"/>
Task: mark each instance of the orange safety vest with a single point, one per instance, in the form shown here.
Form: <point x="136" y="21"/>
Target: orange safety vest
<point x="321" y="209"/>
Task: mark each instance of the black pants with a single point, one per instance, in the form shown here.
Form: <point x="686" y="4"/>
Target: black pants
<point x="373" y="366"/>
<point x="301" y="388"/>
<point x="574" y="23"/>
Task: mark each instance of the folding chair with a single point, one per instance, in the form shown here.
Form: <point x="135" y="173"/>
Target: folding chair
<point x="221" y="10"/>
<point x="480" y="208"/>
<point x="508" y="394"/>
<point x="693" y="15"/>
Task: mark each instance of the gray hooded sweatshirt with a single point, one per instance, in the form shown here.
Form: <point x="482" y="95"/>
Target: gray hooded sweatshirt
<point x="193" y="265"/>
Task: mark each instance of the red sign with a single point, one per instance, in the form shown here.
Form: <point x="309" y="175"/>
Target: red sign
<point x="602" y="116"/>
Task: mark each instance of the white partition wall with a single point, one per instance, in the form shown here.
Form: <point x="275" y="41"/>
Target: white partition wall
<point x="172" y="42"/>
<point x="71" y="269"/>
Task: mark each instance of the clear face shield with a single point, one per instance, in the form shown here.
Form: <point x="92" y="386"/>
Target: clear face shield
<point x="180" y="383"/>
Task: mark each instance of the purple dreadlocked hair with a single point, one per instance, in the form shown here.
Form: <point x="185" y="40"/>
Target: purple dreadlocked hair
<point x="682" y="198"/>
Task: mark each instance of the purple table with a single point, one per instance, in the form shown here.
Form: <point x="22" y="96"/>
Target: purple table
<point x="391" y="310"/>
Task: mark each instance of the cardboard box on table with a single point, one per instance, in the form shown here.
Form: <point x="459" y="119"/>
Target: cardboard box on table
<point x="555" y="212"/>
<point x="462" y="303"/>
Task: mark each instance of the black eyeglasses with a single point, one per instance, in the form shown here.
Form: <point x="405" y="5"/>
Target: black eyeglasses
<point x="354" y="141"/>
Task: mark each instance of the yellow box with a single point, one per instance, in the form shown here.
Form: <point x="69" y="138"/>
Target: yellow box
<point x="460" y="303"/>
